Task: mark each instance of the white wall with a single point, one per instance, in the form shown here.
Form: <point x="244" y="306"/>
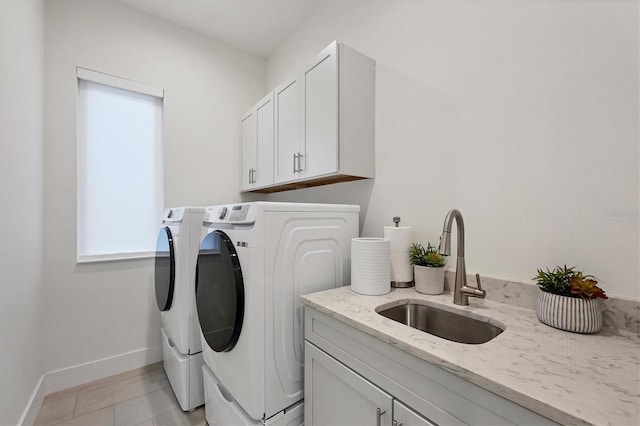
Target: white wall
<point x="21" y="102"/>
<point x="523" y="115"/>
<point x="101" y="310"/>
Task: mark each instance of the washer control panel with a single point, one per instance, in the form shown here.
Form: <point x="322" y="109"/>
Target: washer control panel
<point x="173" y="215"/>
<point x="238" y="214"/>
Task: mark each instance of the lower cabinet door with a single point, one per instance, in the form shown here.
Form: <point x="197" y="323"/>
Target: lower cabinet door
<point x="405" y="416"/>
<point x="337" y="396"/>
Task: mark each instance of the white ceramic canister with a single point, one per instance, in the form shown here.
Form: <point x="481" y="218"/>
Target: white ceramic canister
<point x="371" y="266"/>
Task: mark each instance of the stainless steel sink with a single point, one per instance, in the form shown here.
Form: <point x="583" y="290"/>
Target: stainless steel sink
<point x="447" y="325"/>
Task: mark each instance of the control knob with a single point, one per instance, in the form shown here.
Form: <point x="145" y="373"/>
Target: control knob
<point x="222" y="213"/>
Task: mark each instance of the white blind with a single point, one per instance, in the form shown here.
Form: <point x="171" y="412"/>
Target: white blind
<point x="120" y="185"/>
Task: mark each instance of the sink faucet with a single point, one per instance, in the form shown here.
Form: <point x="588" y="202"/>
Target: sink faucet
<point x="461" y="292"/>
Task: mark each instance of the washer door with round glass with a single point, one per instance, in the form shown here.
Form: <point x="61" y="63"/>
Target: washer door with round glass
<point x="165" y="271"/>
<point x="219" y="292"/>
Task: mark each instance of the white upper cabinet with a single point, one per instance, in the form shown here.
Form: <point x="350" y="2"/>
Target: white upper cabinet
<point x="288" y="130"/>
<point x="324" y="122"/>
<point x="249" y="149"/>
<point x="257" y="145"/>
<point x="321" y="115"/>
<point x="263" y="176"/>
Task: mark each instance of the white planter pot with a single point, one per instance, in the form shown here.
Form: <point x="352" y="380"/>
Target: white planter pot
<point x="569" y="313"/>
<point x="428" y="280"/>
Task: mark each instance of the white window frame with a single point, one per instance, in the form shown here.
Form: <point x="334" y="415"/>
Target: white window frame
<point x="133" y="86"/>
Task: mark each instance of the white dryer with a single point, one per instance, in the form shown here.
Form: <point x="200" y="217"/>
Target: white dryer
<point x="175" y="270"/>
<point x="255" y="261"/>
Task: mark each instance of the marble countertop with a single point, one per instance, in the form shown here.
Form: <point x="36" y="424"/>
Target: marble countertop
<point x="570" y="378"/>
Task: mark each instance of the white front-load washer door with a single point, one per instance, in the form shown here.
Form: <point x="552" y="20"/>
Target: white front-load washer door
<point x="165" y="269"/>
<point x="172" y="286"/>
<point x="230" y="307"/>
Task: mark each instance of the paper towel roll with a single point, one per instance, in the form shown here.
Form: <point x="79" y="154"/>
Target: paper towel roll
<point x="401" y="268"/>
<point x="370" y="266"/>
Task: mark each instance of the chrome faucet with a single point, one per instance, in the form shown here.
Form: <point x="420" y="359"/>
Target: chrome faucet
<point x="461" y="292"/>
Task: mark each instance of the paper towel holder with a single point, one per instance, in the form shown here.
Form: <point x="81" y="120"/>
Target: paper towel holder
<point x="400" y="284"/>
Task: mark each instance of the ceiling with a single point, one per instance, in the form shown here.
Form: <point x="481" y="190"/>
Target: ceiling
<point x="255" y="26"/>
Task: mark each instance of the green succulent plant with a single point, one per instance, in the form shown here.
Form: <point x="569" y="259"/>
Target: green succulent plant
<point x="421" y="256"/>
<point x="568" y="282"/>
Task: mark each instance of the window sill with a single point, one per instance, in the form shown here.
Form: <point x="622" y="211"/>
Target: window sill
<point x="110" y="257"/>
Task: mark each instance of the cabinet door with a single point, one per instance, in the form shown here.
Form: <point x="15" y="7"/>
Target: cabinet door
<point x="335" y="395"/>
<point x="263" y="173"/>
<point x="249" y="149"/>
<point x="405" y="416"/>
<point x="288" y="130"/>
<point x="320" y="153"/>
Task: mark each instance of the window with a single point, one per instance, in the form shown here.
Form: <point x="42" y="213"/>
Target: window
<point x="120" y="185"/>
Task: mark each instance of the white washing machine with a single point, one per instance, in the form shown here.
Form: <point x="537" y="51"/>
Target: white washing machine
<point x="255" y="261"/>
<point x="175" y="271"/>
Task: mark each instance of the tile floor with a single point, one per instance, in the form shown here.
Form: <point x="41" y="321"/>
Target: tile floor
<point x="138" y="397"/>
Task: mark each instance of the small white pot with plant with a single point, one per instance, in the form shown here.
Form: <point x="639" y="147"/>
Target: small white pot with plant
<point x="568" y="300"/>
<point x="428" y="268"/>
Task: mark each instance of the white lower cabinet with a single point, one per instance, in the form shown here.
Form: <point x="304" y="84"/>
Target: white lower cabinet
<point x="342" y="397"/>
<point x="405" y="416"/>
<point x="352" y="378"/>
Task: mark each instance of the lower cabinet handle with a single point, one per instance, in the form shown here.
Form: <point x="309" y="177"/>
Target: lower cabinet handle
<point x="379" y="414"/>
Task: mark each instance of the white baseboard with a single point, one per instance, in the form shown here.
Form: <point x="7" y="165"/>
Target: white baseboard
<point x="87" y="372"/>
<point x="101" y="368"/>
<point x="33" y="405"/>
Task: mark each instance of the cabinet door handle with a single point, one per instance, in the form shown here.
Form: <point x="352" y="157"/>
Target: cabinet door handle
<point x="253" y="175"/>
<point x="379" y="414"/>
<point x="250" y="177"/>
<point x="295" y="157"/>
<point x="300" y="162"/>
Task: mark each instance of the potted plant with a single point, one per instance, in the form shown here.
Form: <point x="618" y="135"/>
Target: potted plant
<point x="428" y="268"/>
<point x="568" y="300"/>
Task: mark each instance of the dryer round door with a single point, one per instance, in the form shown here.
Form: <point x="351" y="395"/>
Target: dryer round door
<point x="219" y="292"/>
<point x="165" y="271"/>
